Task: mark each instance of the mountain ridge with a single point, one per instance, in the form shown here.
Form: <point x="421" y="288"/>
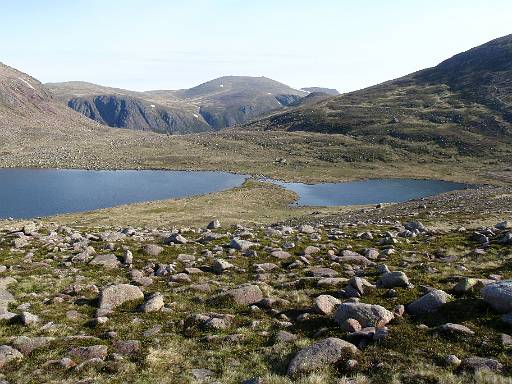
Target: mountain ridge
<point x="213" y="105"/>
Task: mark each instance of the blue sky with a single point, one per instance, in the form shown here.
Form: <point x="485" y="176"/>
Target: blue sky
<point x="177" y="44"/>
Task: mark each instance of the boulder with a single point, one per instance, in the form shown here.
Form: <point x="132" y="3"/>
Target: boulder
<point x="109" y="261"/>
<point x="152" y="249"/>
<point x="475" y="364"/>
<point x="368" y="315"/>
<point x="241" y="245"/>
<point x="153" y="303"/>
<point x="115" y="295"/>
<point x="87" y="353"/>
<point x="244" y="295"/>
<point x="393" y="280"/>
<point x="428" y="303"/>
<point x="221" y="265"/>
<point x="326" y="304"/>
<point x="322" y="354"/>
<point x="499" y="295"/>
<point x="8" y="354"/>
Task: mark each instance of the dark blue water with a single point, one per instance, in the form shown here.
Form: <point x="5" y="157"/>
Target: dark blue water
<point x="369" y="191"/>
<point x="27" y="193"/>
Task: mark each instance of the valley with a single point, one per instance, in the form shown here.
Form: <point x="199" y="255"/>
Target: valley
<point x="241" y="285"/>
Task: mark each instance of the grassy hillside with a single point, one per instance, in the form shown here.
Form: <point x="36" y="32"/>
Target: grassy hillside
<point x="462" y="106"/>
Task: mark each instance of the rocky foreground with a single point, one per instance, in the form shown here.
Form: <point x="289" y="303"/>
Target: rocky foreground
<point x="374" y="301"/>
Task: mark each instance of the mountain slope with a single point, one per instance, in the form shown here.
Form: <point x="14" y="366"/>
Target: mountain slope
<point x="121" y="108"/>
<point x="328" y="91"/>
<point x="463" y="103"/>
<point x="214" y="105"/>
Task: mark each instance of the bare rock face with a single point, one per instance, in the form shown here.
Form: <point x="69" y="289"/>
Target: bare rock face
<point x="118" y="294"/>
<point x="368" y="315"/>
<point x="499" y="295"/>
<point x="324" y="353"/>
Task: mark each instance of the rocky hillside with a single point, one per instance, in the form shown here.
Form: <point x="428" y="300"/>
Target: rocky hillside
<point x="464" y="103"/>
<point x="27" y="108"/>
<point x="214" y="105"/>
<point x="375" y="296"/>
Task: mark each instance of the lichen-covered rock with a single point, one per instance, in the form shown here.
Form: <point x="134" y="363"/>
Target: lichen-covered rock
<point x="499" y="295"/>
<point x="118" y="294"/>
<point x="322" y="354"/>
<point x="428" y="303"/>
<point x="368" y="315"/>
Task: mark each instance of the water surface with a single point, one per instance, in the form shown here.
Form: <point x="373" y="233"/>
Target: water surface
<point x="27" y="193"/>
<point x="369" y="191"/>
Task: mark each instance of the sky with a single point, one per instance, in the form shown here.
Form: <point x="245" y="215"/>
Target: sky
<point x="173" y="44"/>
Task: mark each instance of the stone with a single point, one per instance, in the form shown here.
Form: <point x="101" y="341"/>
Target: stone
<point x="118" y="294"/>
<point x="506" y="340"/>
<point x="241" y="245"/>
<point x="201" y="374"/>
<point x="8" y="354"/>
<point x="326" y="304"/>
<point x="213" y="224"/>
<point x="28" y="319"/>
<point x="331" y="282"/>
<point x="126" y="347"/>
<point x="87" y="353"/>
<point x="285" y="337"/>
<point x="221" y="265"/>
<point x="109" y="261"/>
<point x="320" y="355"/>
<point x="499" y="295"/>
<point x="415" y="225"/>
<point x="209" y="321"/>
<point x="26" y="345"/>
<point x="152" y="250"/>
<point x="475" y="364"/>
<point x="310" y="250"/>
<point x="452" y="361"/>
<point x="128" y="257"/>
<point x="176" y="239"/>
<point x="244" y="295"/>
<point x="393" y="280"/>
<point x="351" y="326"/>
<point x="468" y="284"/>
<point x="323" y="272"/>
<point x="503" y="225"/>
<point x="280" y="254"/>
<point x="307" y="229"/>
<point x="153" y="303"/>
<point x="368" y="315"/>
<point x="456" y="328"/>
<point x="428" y="303"/>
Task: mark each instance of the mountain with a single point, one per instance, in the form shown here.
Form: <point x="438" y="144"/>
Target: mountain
<point x="464" y="103"/>
<point x="25" y="104"/>
<point x="128" y="109"/>
<point x="214" y="105"/>
<point x="328" y="91"/>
